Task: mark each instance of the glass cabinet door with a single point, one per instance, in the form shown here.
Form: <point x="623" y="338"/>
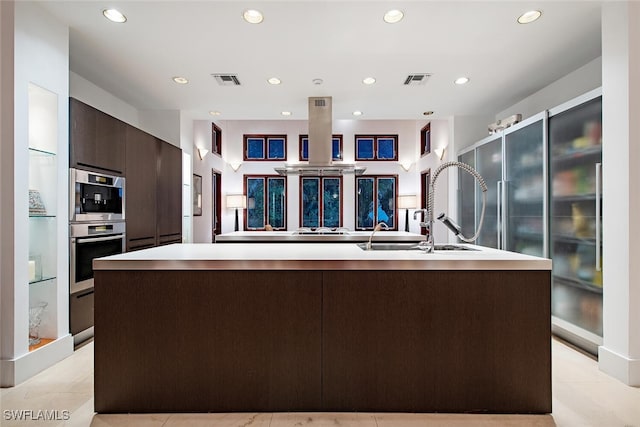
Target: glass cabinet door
<point x="575" y="141"/>
<point x="489" y="166"/>
<point x="467" y="195"/>
<point x="524" y="187"/>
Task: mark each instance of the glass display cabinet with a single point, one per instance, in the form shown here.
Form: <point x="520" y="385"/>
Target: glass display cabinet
<point x="575" y="141"/>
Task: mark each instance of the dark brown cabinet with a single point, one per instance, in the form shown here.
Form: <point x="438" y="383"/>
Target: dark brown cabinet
<point x="153" y="204"/>
<point x="169" y="205"/>
<point x="141" y="193"/>
<point x="152" y="169"/>
<point x="97" y="139"/>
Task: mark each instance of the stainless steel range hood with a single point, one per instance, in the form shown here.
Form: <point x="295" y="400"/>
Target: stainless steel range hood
<point x="320" y="145"/>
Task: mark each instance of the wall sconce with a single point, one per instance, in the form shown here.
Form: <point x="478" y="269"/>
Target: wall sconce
<point x="406" y="166"/>
<point x="235" y="166"/>
<point x="202" y="152"/>
<point x="409" y="201"/>
<point x="440" y="152"/>
<point x="236" y="201"/>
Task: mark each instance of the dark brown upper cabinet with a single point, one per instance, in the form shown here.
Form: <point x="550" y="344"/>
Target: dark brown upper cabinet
<point x="97" y="140"/>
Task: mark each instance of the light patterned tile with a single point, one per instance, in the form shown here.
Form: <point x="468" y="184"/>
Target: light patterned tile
<point x="463" y="420"/>
<point x="323" y="419"/>
<point x="128" y="420"/>
<point x="219" y="420"/>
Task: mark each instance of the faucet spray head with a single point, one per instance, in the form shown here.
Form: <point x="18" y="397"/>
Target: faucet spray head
<point x="451" y="225"/>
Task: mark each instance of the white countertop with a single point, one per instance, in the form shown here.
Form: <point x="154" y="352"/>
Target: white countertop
<point x="313" y="256"/>
<point x="294" y="237"/>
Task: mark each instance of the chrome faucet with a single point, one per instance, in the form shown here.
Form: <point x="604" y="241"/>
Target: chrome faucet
<point x="428" y="244"/>
<point x="378" y="227"/>
<point x="427" y="220"/>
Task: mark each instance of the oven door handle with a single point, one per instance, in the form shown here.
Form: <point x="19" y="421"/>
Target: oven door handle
<point x="98" y="239"/>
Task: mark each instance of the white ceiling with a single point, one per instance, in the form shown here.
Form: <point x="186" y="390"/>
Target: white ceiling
<point x="340" y="42"/>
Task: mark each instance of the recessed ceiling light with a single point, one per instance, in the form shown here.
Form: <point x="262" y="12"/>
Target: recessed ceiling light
<point x="274" y="81"/>
<point x="357" y="113"/>
<point x="253" y="16"/>
<point x="114" y="15"/>
<point x="529" y="16"/>
<point x="215" y="113"/>
<point x="369" y="80"/>
<point x="286" y="113"/>
<point x="427" y="113"/>
<point x="393" y="16"/>
<point x="317" y="82"/>
<point x="181" y="80"/>
<point x="461" y="80"/>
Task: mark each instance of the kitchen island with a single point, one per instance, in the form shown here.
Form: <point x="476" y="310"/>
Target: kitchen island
<point x="321" y="327"/>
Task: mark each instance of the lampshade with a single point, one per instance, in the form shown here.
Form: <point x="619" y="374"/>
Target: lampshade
<point x="408" y="202"/>
<point x="236" y="201"/>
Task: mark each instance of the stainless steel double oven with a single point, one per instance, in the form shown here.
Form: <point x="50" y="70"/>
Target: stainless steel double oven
<point x="96" y="229"/>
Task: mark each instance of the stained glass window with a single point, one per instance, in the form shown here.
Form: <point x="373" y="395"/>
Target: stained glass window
<point x="321" y="202"/>
<point x="266" y="202"/>
<point x="265" y="147"/>
<point x="376" y="147"/>
<point x="376" y="201"/>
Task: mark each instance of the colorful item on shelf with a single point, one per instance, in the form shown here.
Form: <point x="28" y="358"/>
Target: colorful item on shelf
<point x="36" y="205"/>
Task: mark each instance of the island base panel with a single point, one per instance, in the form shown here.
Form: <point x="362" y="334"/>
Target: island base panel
<point x="439" y="341"/>
<point x="201" y="341"/>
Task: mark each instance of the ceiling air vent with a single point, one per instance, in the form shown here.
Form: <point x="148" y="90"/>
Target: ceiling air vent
<point x="227" y="79"/>
<point x="416" y="79"/>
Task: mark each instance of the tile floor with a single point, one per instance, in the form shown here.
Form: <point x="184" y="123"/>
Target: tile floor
<point x="582" y="397"/>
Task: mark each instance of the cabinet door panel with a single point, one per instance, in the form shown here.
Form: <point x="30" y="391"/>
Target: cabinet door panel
<point x="82" y="131"/>
<point x="140" y="202"/>
<point x="169" y="204"/>
<point x="489" y="165"/>
<point x="97" y="139"/>
<point x="110" y="143"/>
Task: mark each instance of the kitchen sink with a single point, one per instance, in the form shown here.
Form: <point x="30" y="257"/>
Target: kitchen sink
<point x="410" y="247"/>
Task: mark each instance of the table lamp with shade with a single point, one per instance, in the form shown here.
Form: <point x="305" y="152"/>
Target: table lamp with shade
<point x="236" y="201"/>
<point x="409" y="201"/>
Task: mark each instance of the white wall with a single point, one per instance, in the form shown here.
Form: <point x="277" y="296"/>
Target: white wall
<point x="163" y="124"/>
<point x="42" y="58"/>
<point x="619" y="355"/>
<point x="232" y="145"/>
<point x="7" y="12"/>
<point x="87" y="92"/>
<point x="467" y="130"/>
<point x="574" y="84"/>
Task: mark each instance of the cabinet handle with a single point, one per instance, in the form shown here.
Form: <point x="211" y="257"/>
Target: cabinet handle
<point x="597" y="216"/>
<point x="86" y="294"/>
<point x="499" y="214"/>
<point x="504" y="220"/>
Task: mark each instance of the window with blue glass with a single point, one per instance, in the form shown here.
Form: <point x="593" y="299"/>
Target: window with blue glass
<point x="376" y="201"/>
<point x="376" y="147"/>
<point x="321" y="202"/>
<point x="265" y="147"/>
<point x="336" y="147"/>
<point x="266" y="202"/>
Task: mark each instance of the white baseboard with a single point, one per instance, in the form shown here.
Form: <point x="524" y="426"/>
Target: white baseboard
<point x="619" y="366"/>
<point x="22" y="368"/>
